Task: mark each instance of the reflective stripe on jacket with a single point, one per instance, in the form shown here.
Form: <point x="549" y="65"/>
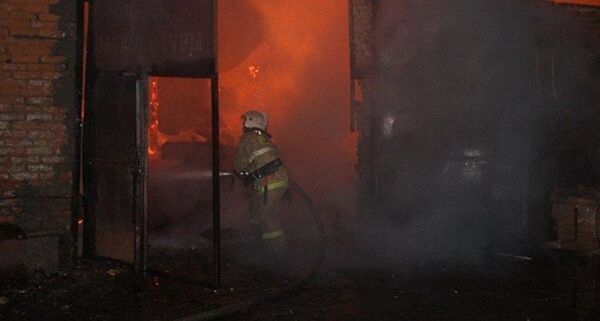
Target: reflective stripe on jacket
<point x="254" y="151"/>
<point x="272" y="234"/>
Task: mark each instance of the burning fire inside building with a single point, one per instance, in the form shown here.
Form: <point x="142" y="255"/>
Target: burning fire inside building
<point x="299" y="160"/>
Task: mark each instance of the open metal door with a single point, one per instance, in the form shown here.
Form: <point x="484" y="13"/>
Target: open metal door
<point x="127" y="40"/>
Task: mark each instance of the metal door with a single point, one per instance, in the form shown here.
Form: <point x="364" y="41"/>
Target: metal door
<point x="113" y="166"/>
<point x="128" y="38"/>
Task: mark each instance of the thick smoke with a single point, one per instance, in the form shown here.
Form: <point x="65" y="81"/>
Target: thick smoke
<point x="468" y="95"/>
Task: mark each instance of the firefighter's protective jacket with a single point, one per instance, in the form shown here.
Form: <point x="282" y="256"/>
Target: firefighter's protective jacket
<point x="254" y="151"/>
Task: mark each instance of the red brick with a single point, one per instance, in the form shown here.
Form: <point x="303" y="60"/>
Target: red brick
<point x="42" y="67"/>
<point x="27" y="125"/>
<point x="11" y="100"/>
<point x="25" y="143"/>
<point x="32" y="49"/>
<point x="3" y="11"/>
<point x="43" y="24"/>
<point x="39" y="168"/>
<point x="36" y="131"/>
<point x="43" y="143"/>
<point x="39" y="151"/>
<point x="42" y="117"/>
<point x="26" y="58"/>
<point x="35" y="91"/>
<point x="23" y="15"/>
<point x="38" y="101"/>
<point x="20" y="28"/>
<point x="28" y="42"/>
<point x="39" y="83"/>
<point x="18" y="160"/>
<point x="40" y="135"/>
<point x="11" y="117"/>
<point x="53" y="159"/>
<point x="57" y="127"/>
<point x="15" y="67"/>
<point x="35" y="75"/>
<point x="16" y="167"/>
<point x="28" y="109"/>
<point x="23" y="176"/>
<point x="52" y="59"/>
<point x="8" y="39"/>
<point x="13" y="133"/>
<point x="9" y="87"/>
<point x="35" y="8"/>
<point x="48" y="17"/>
<point x="50" y="33"/>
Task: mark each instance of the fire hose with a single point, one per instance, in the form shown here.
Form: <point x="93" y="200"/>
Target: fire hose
<point x="275" y="295"/>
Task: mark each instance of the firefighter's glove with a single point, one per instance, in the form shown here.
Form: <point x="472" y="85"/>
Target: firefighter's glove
<point x="245" y="177"/>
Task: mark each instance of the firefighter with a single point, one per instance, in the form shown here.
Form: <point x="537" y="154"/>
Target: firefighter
<point x="257" y="161"/>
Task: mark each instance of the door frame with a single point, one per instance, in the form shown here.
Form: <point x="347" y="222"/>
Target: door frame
<point x="87" y="137"/>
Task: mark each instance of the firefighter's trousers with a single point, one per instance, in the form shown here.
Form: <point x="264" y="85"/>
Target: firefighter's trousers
<point x="265" y="218"/>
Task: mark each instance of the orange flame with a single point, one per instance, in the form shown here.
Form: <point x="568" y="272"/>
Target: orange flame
<point x="153" y="121"/>
<point x="253" y="70"/>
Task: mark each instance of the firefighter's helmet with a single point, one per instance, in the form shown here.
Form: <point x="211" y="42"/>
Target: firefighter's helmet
<point x="255" y="119"/>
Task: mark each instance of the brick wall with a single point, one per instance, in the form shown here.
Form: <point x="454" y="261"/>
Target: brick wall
<point x="37" y="109"/>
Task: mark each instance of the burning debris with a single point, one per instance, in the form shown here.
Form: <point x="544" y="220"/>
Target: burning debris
<point x="253" y="70"/>
<point x="153" y="143"/>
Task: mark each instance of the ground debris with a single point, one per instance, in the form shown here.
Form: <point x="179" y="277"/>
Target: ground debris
<point x="113" y="272"/>
<point x="89" y="293"/>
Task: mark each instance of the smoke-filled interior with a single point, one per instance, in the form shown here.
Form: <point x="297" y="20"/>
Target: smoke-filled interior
<point x="179" y="159"/>
<point x="480" y="114"/>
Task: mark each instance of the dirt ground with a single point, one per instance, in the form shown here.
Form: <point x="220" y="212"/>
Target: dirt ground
<point x="552" y="287"/>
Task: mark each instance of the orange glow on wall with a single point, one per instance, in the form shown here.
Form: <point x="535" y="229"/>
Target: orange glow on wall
<point x="582" y="2"/>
